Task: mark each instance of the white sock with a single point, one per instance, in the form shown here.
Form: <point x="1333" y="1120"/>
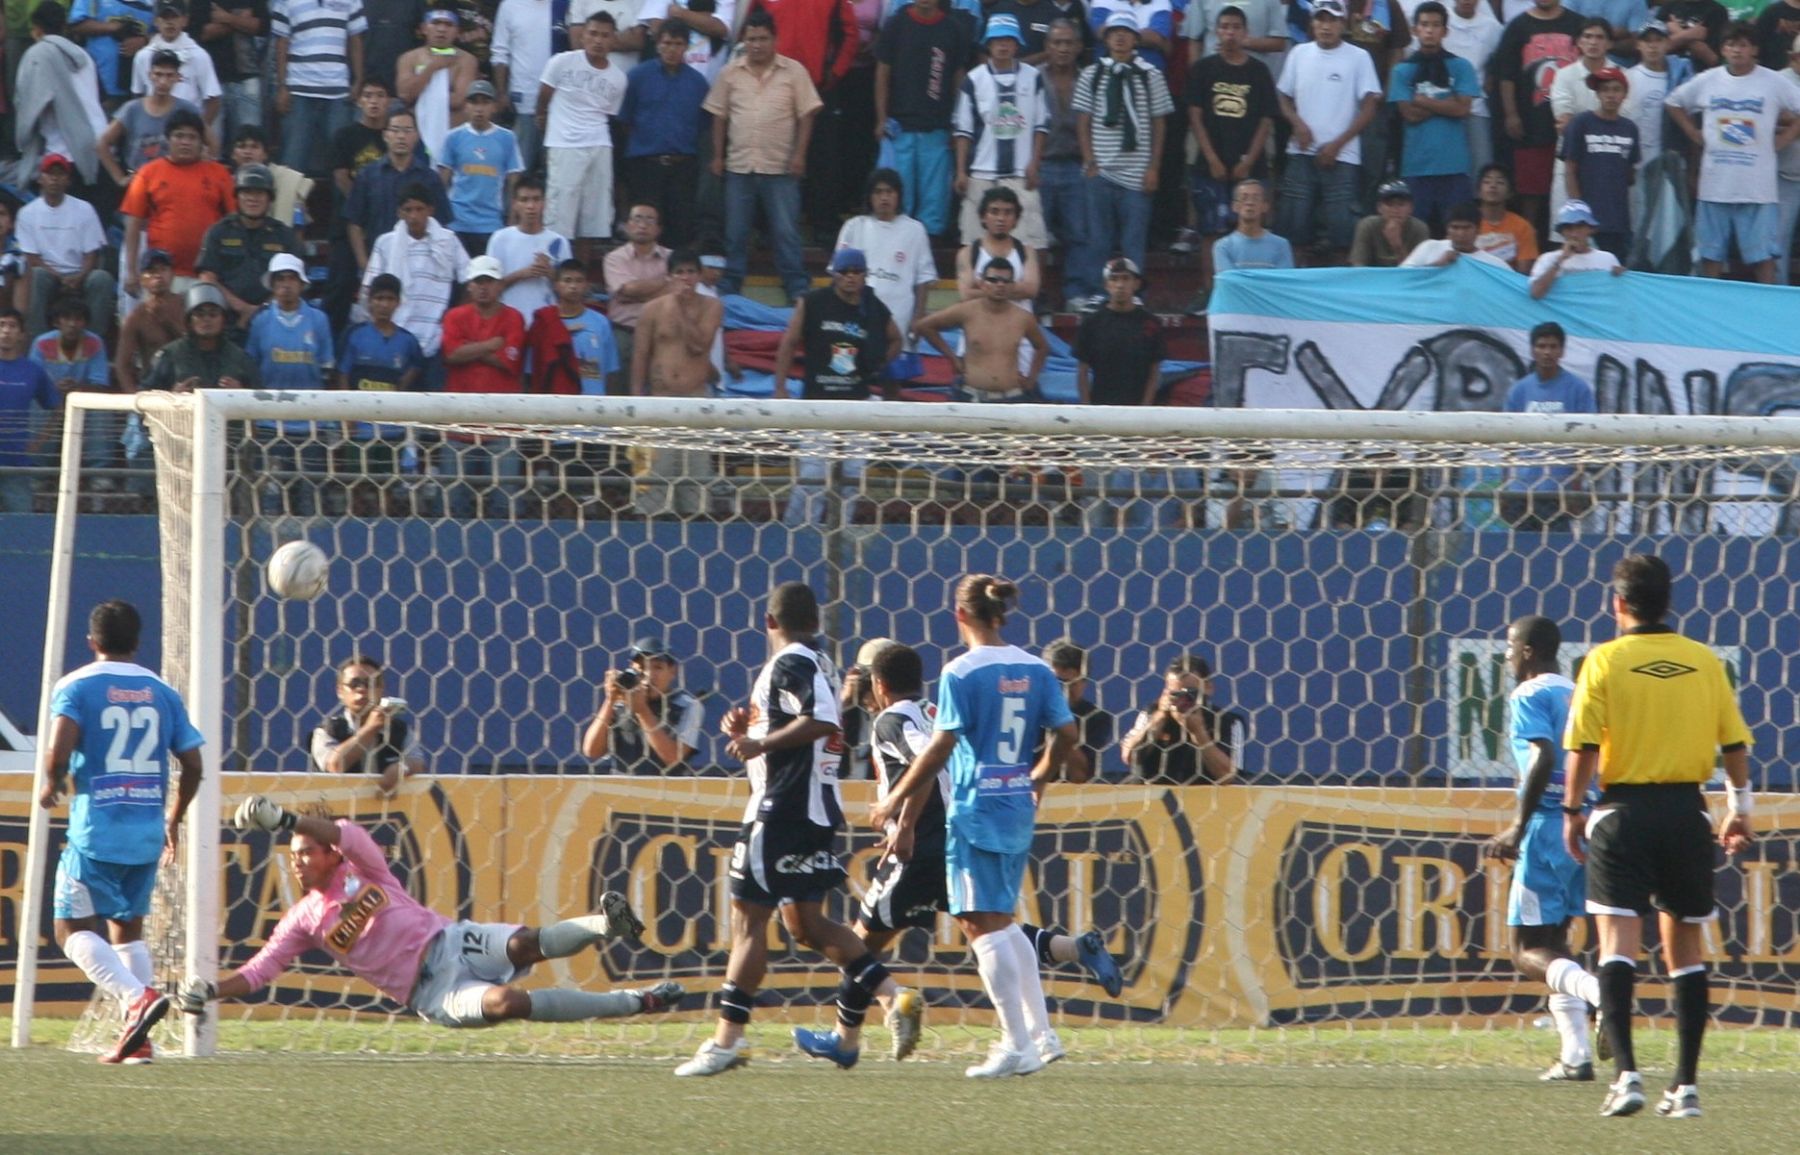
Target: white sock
<point x="994" y="960"/>
<point x="137" y="957"/>
<point x="1566" y="976"/>
<point x="561" y="1005"/>
<point x="1031" y="983"/>
<point x="102" y="964"/>
<point x="572" y="935"/>
<point x="1571" y="1015"/>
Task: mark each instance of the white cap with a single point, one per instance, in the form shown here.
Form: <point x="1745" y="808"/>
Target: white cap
<point x="484" y="267"/>
<point x="284" y="263"/>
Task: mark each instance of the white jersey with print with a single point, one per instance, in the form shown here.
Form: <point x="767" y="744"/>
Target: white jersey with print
<point x="799" y="782"/>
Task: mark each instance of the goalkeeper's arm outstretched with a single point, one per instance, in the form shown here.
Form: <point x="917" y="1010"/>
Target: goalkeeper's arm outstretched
<point x="454" y="974"/>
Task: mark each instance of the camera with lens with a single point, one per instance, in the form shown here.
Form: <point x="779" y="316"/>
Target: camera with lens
<point x="1185" y="699"/>
<point x="626" y="679"/>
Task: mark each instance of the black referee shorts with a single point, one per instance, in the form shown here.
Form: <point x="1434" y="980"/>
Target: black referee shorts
<point x="1651" y="848"/>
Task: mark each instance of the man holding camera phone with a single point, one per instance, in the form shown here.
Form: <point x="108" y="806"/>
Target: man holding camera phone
<point x="369" y="734"/>
<point x="646" y="724"/>
<point x="1183" y="740"/>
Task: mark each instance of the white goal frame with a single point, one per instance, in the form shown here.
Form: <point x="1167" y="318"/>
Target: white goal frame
<point x="211" y="411"/>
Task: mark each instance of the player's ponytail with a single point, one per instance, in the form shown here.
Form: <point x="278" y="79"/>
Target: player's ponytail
<point x="986" y="598"/>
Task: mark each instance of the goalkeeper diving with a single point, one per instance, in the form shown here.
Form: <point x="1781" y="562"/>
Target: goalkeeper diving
<point x="451" y="973"/>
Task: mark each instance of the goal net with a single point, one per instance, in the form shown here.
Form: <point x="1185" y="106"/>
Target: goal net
<point x="1346" y="578"/>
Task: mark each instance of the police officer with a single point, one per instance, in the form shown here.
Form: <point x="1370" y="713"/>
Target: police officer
<point x="203" y="359"/>
<point x="237" y="249"/>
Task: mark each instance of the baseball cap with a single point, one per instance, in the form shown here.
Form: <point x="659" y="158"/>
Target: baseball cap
<point x="482" y="267"/>
<point x="1003" y="25"/>
<point x="154" y="257"/>
<point x="1120" y="18"/>
<point x="54" y="159"/>
<point x="1602" y="75"/>
<point x="482" y="88"/>
<point x="849" y="261"/>
<point x="651" y="646"/>
<point x="1653" y="27"/>
<point x="170" y="8"/>
<point x="283" y="263"/>
<point x="1122" y="265"/>
<point x="712" y="261"/>
<point x="256" y="176"/>
<point x="442" y="15"/>
<point x="1394" y="190"/>
<point x="1576" y="213"/>
<point x="1328" y="8"/>
<point x="874" y="646"/>
<point x="204" y="294"/>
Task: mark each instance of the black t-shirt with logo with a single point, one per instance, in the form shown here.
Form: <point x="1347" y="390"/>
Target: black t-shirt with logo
<point x="1232" y="99"/>
<point x="1119" y="350"/>
<point x="845" y="345"/>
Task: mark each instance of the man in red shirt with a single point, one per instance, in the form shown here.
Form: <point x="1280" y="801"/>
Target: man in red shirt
<point x="173" y="200"/>
<point x="484" y="352"/>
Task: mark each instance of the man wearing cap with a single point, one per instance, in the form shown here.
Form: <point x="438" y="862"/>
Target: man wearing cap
<point x="1329" y="93"/>
<point x="159" y="318"/>
<point x="237" y="250"/>
<point x="290" y="339"/>
<point x="999" y="127"/>
<point x="479" y="162"/>
<point x="1434" y="91"/>
<point x="1121" y="101"/>
<point x="844" y="333"/>
<point x="173" y="200"/>
<point x="1153" y="20"/>
<point x="199" y="83"/>
<point x="1575" y="222"/>
<point x="203" y="359"/>
<point x="318" y="65"/>
<point x="1383" y="240"/>
<point x="663" y="99"/>
<point x="920" y="58"/>
<point x="1648" y="84"/>
<point x="649" y="725"/>
<point x="1600" y="160"/>
<point x="434" y="79"/>
<point x="484" y="352"/>
<point x="61" y="238"/>
<point x="1740" y="116"/>
<point x="1119" y="346"/>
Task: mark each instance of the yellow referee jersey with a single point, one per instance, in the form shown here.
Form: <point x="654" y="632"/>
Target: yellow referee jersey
<point x="1657" y="706"/>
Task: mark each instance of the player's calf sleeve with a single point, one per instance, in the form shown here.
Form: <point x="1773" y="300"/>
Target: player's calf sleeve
<point x="571" y="935"/>
<point x="137" y="957"/>
<point x="1567" y="977"/>
<point x="1692" y="986"/>
<point x="734" y="1004"/>
<point x="560" y="1005"/>
<point x="102" y="964"/>
<point x="1040" y="940"/>
<point x="1618" y="978"/>
<point x="852" y="1003"/>
<point x="868" y="974"/>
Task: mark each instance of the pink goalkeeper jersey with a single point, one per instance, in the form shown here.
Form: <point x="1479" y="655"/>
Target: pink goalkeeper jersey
<point x="364" y="919"/>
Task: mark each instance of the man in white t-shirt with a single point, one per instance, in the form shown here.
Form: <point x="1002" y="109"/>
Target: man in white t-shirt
<point x="1746" y="114"/>
<point x="1461" y="228"/>
<point x="901" y="267"/>
<point x="519" y="52"/>
<point x="61" y="238"/>
<point x="581" y="91"/>
<point x="1575" y="222"/>
<point x="527" y="251"/>
<point x="1329" y="93"/>
<point x="628" y="42"/>
<point x="199" y="83"/>
<point x="1473" y="35"/>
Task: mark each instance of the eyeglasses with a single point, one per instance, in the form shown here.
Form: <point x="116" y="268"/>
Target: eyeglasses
<point x="359" y="683"/>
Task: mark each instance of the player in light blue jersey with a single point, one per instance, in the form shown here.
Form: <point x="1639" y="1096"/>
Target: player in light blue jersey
<point x="994" y="703"/>
<point x="1549" y="888"/>
<point x="113" y="726"/>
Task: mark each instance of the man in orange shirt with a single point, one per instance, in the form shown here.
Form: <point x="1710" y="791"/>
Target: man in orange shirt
<point x="484" y="352"/>
<point x="1504" y="233"/>
<point x="175" y="199"/>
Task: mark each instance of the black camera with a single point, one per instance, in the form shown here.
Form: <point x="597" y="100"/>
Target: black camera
<point x="1185" y="699"/>
<point x="627" y="679"/>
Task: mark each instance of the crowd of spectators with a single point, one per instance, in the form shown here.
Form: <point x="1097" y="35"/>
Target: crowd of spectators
<point x="390" y="195"/>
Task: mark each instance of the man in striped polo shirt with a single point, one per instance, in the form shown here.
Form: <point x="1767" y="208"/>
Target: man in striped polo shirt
<point x="318" y="64"/>
<point x="1121" y="100"/>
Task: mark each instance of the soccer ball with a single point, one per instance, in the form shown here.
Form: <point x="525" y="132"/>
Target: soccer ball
<point x="298" y="570"/>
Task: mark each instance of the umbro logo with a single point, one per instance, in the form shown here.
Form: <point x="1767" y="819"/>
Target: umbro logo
<point x="1663" y="669"/>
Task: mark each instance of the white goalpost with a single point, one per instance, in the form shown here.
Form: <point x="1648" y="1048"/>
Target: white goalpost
<point x="1348" y="577"/>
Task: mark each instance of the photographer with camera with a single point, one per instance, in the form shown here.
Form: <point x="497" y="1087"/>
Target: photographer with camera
<point x="857" y="710"/>
<point x="1183" y="740"/>
<point x="370" y="734"/>
<point x="646" y="725"/>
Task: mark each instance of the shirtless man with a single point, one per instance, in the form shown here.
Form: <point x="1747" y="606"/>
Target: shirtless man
<point x="672" y="356"/>
<point x="993" y="326"/>
<point x="437" y="106"/>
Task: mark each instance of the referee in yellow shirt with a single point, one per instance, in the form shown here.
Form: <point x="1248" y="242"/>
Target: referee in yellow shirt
<point x="1651" y="712"/>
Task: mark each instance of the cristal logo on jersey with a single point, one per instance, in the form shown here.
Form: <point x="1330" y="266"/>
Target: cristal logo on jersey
<point x="354" y="919"/>
<point x="1015" y="685"/>
<point x="126" y="694"/>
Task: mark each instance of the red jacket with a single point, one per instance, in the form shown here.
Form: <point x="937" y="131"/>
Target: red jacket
<point x="463" y="325"/>
<point x="554" y="368"/>
<point x="820" y="34"/>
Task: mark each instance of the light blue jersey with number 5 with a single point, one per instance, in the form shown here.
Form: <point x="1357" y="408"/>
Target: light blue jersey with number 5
<point x="131" y="721"/>
<point x="998" y="700"/>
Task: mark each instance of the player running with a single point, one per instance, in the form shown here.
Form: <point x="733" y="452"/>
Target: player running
<point x="912" y="893"/>
<point x="112" y="726"/>
<point x="993" y="702"/>
<point x="1549" y="887"/>
<point x="790" y="744"/>
<point x="451" y="973"/>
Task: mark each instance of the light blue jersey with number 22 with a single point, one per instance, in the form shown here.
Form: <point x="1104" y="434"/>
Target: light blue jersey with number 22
<point x="998" y="700"/>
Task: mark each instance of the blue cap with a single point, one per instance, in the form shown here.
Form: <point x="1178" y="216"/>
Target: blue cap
<point x="1576" y="213"/>
<point x="849" y="261"/>
<point x="1003" y="25"/>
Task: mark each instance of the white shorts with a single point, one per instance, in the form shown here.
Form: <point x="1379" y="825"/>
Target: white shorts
<point x="462" y="962"/>
<point x="579" y="191"/>
<point x="1030" y="228"/>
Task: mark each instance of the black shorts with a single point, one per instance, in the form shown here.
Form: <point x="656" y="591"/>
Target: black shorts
<point x="1651" y="848"/>
<point x="774" y="863"/>
<point x="904" y="894"/>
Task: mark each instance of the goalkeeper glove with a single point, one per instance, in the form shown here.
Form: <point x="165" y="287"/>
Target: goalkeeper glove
<point x="195" y="994"/>
<point x="257" y="812"/>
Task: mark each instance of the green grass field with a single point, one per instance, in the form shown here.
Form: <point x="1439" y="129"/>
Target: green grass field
<point x="1396" y="1090"/>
